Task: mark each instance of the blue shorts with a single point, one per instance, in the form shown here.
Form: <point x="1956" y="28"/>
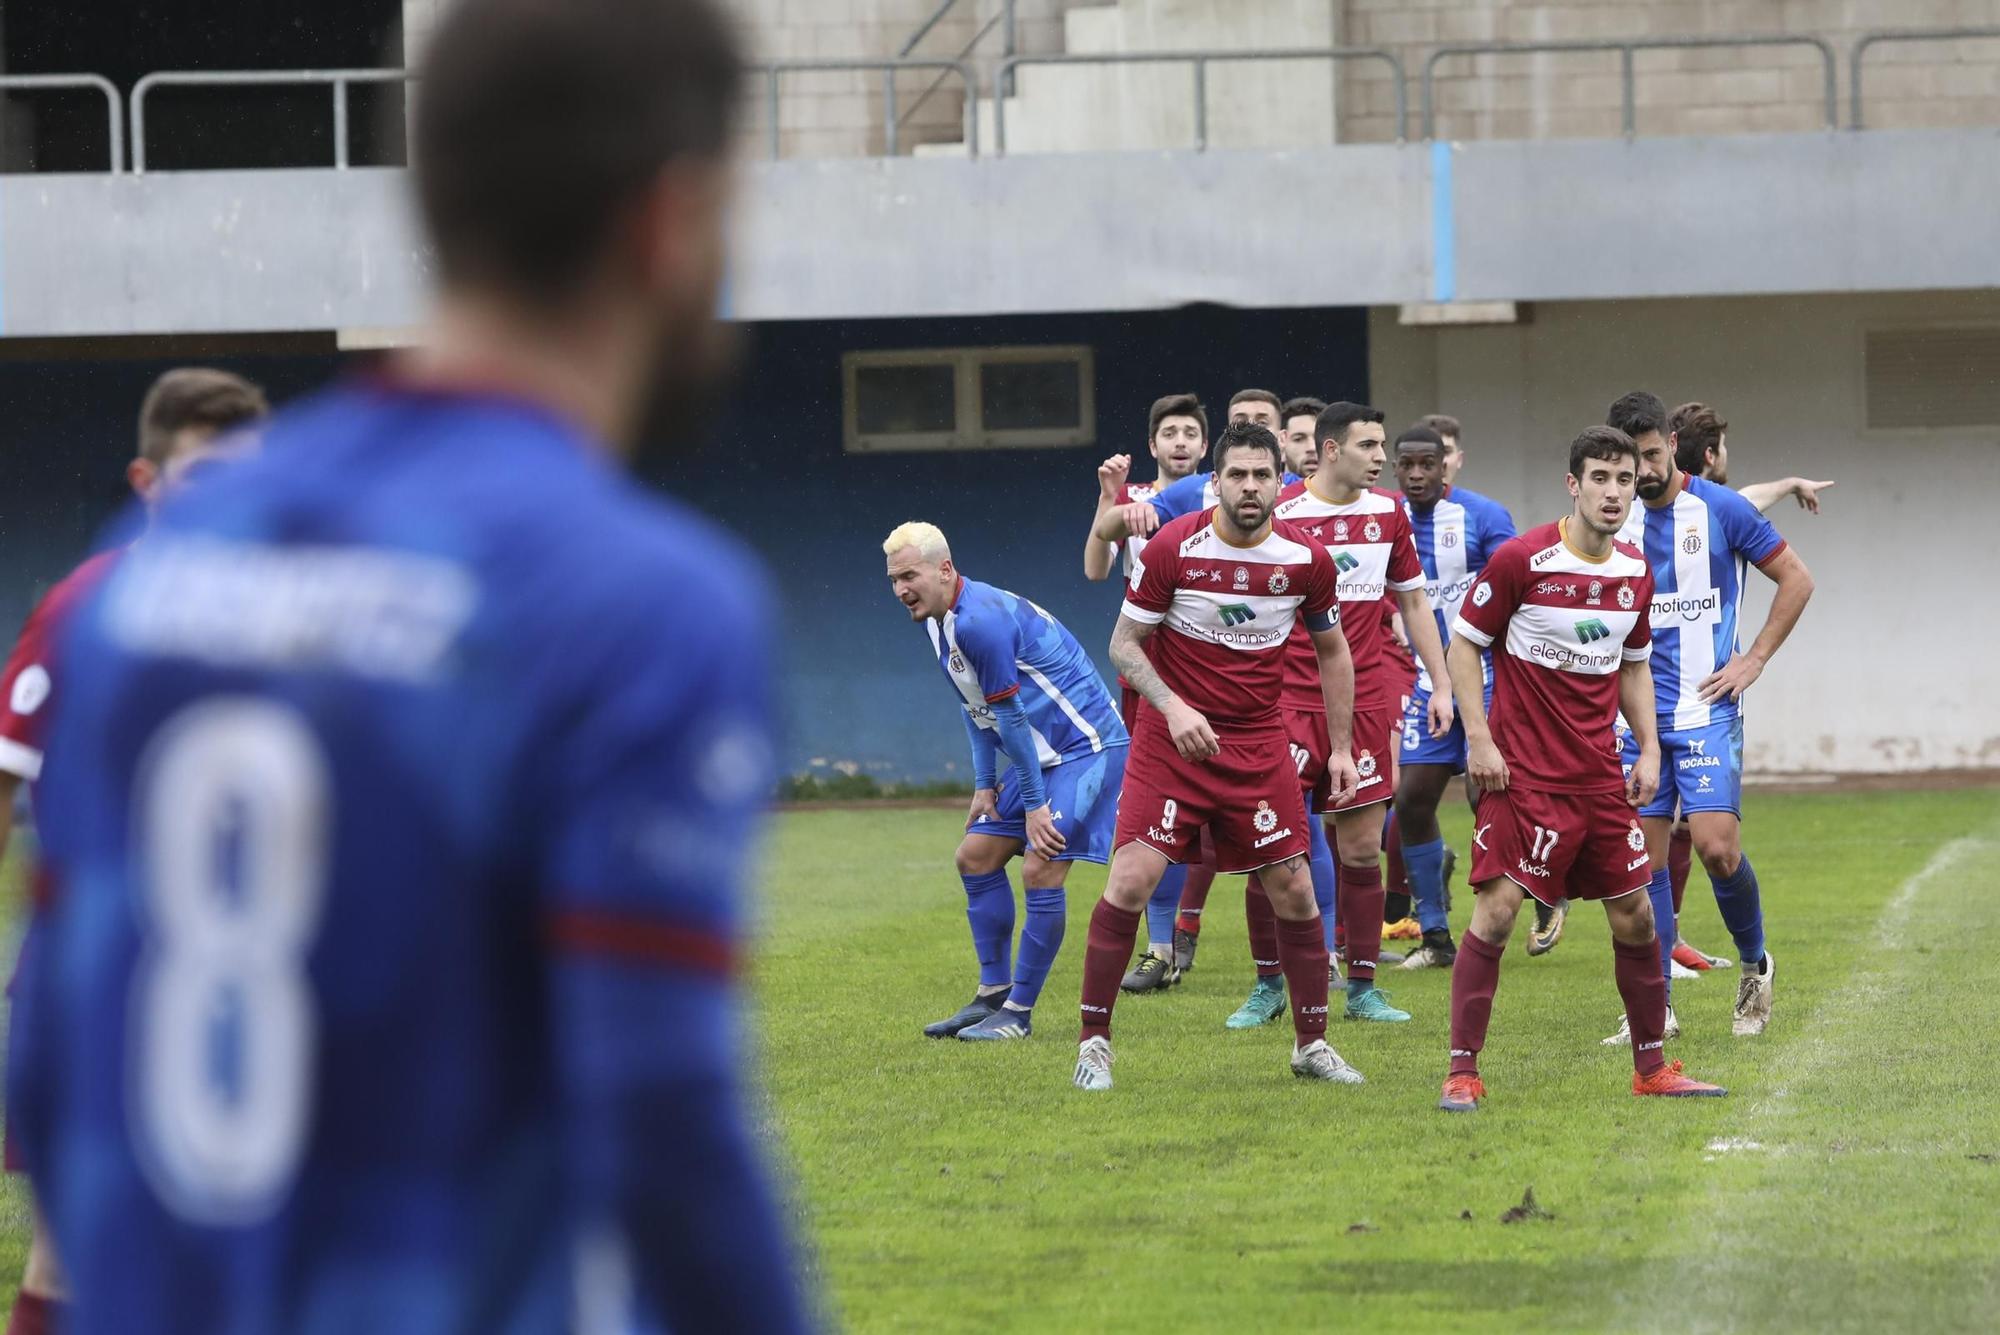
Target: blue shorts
<point x="1083" y="796"/>
<point x="1419" y="747"/>
<point x="1701" y="769"/>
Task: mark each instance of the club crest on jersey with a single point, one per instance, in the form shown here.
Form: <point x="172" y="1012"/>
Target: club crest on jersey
<point x="1280" y="581"/>
<point x="1635" y="839"/>
<point x="1340" y="530"/>
<point x="1265" y="819"/>
<point x="1626" y="597"/>
<point x="1597" y="590"/>
<point x="957" y="661"/>
<point x="1365" y="765"/>
<point x="1242" y="577"/>
<point x="1691" y="544"/>
<point x="1449" y="539"/>
<point x="1372" y="531"/>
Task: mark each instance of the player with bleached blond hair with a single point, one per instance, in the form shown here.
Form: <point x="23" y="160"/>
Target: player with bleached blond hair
<point x="1027" y="689"/>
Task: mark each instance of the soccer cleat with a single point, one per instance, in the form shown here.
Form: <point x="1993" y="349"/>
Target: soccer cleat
<point x="1002" y="1023"/>
<point x="1405" y="929"/>
<point x="1317" y="1061"/>
<point x="1623" y="1038"/>
<point x="1753" y="998"/>
<point x="1374" y="1005"/>
<point x="1265" y="1004"/>
<point x="973" y="1012"/>
<point x="1184" y="944"/>
<point x="1669" y="1083"/>
<point x="1431" y="956"/>
<point x="1548" y="927"/>
<point x="1444" y="879"/>
<point x="1680" y="972"/>
<point x="1335" y="984"/>
<point x="1153" y="974"/>
<point x="1688" y="957"/>
<point x="1093" y="1064"/>
<point x="1462" y="1093"/>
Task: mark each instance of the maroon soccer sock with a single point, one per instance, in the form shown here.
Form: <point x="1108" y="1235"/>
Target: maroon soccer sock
<point x="1680" y="856"/>
<point x="1194" y="898"/>
<point x="1302" y="947"/>
<point x="1645" y="994"/>
<point x="36" y="1315"/>
<point x="1263" y="923"/>
<point x="1475" y="976"/>
<point x="1112" y="932"/>
<point x="1361" y="898"/>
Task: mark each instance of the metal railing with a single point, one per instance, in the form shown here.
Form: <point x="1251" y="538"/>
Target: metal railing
<point x="1003" y="18"/>
<point x="1200" y="61"/>
<point x="338" y="79"/>
<point x="1877" y="38"/>
<point x="1626" y="49"/>
<point x="891" y="125"/>
<point x="114" y="105"/>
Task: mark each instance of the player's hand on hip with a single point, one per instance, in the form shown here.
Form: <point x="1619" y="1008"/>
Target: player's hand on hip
<point x="1442" y="711"/>
<point x="985" y="806"/>
<point x="1193" y="738"/>
<point x="1644" y="780"/>
<point x="1808" y="493"/>
<point x="1043" y="836"/>
<point x="1111" y="474"/>
<point x="1484" y="766"/>
<point x="1140" y="518"/>
<point x="1734" y="678"/>
<point x="1343" y="780"/>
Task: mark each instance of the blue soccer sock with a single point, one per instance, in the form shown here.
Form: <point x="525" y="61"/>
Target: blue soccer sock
<point x="1661" y="891"/>
<point x="1326" y="884"/>
<point x="1742" y="911"/>
<point x="1041" y="938"/>
<point x="989" y="907"/>
<point x="1161" y="908"/>
<point x="1425" y="865"/>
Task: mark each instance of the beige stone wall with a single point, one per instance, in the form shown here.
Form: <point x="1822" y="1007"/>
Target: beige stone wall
<point x="1676" y="92"/>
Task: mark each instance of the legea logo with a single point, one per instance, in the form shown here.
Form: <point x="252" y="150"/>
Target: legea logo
<point x="1590" y="630"/>
<point x="1235" y="614"/>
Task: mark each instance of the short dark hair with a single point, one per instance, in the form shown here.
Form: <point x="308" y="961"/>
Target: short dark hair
<point x="1244" y="436"/>
<point x="1258" y="396"/>
<point x="199" y="397"/>
<point x="1697" y="429"/>
<point x="1338" y="416"/>
<point x="1421" y="435"/>
<point x="1600" y="442"/>
<point x="1175" y="405"/>
<point x="1637" y="413"/>
<point x="1303" y="406"/>
<point x="1442" y="424"/>
<point x="538" y="122"/>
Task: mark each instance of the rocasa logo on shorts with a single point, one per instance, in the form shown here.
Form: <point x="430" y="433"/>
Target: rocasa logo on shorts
<point x="1235" y="614"/>
<point x="1590" y="630"/>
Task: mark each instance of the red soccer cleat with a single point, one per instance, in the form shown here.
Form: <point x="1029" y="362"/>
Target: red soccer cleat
<point x="1688" y="957"/>
<point x="1669" y="1083"/>
<point x="1462" y="1093"/>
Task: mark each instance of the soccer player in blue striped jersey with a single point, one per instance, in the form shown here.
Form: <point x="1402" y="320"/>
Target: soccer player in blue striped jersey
<point x="403" y="781"/>
<point x="1028" y="691"/>
<point x="1697" y="536"/>
<point x="1456" y="531"/>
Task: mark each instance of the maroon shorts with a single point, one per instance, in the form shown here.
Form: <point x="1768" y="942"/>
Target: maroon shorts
<point x="1129" y="701"/>
<point x="1246" y="796"/>
<point x="1560" y="845"/>
<point x="1377" y="733"/>
<point x="1305" y="734"/>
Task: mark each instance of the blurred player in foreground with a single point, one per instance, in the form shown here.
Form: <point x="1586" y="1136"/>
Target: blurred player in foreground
<point x="1027" y="689"/>
<point x="404" y="778"/>
<point x="1203" y="636"/>
<point x="185" y="416"/>
<point x="1564" y="609"/>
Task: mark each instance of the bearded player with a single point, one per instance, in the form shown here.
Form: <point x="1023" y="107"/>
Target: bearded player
<point x="1203" y="636"/>
<point x="1564" y="608"/>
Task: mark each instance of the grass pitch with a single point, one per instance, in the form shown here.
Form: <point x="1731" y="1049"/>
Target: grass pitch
<point x="1850" y="1181"/>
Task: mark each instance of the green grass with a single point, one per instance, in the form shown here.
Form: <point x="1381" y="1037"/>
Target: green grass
<point x="951" y="1187"/>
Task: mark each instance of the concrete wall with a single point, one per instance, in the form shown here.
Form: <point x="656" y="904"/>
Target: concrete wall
<point x="1888" y="671"/>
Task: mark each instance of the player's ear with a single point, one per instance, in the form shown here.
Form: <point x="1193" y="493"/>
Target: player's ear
<point x="143" y="476"/>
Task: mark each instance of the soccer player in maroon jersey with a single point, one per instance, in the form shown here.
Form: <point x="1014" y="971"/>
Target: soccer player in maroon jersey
<point x="1227" y="584"/>
<point x="1564" y="608"/>
<point x="183" y="415"/>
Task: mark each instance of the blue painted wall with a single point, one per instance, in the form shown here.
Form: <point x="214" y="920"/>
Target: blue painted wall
<point x="859" y="686"/>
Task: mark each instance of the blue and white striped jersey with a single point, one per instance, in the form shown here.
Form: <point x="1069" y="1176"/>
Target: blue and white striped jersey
<point x="1696" y="545"/>
<point x="1455" y="539"/>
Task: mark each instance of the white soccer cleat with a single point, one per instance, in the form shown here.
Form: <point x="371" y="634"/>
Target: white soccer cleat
<point x="1317" y="1061"/>
<point x="1623" y="1038"/>
<point x="1678" y="971"/>
<point x="1093" y="1064"/>
<point x="1753" y="998"/>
